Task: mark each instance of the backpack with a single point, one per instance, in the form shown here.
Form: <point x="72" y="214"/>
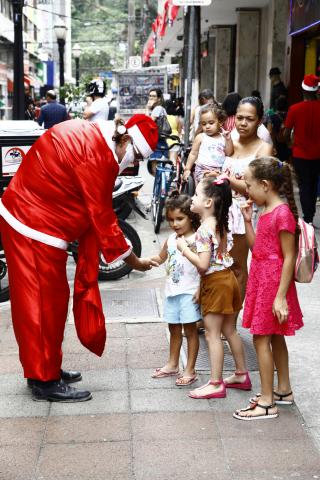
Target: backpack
<point x="307" y="255"/>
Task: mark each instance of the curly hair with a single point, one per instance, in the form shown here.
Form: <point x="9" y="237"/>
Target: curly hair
<point x="222" y="199"/>
<point x="279" y="174"/>
<point x="183" y="203"/>
<point x="216" y="109"/>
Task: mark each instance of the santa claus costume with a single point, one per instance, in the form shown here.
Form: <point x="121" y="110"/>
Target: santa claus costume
<point x="62" y="192"/>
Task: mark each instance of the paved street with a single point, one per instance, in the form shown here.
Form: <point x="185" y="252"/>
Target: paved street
<point x="139" y="428"/>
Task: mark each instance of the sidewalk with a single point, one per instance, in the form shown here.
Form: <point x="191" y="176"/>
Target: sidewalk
<point x="139" y="428"/>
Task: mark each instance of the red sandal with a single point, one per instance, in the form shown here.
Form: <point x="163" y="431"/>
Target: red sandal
<point x="246" y="385"/>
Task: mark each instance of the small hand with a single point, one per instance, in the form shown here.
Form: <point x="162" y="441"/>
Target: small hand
<point x="185" y="175"/>
<point x="196" y="296"/>
<point x="246" y="210"/>
<point x="146" y="264"/>
<point x="212" y="173"/>
<point x="280" y="309"/>
<point x="181" y="243"/>
<point x="225" y="133"/>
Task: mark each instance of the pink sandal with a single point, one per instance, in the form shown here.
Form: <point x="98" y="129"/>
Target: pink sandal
<point x="220" y="394"/>
<point x="246" y="385"/>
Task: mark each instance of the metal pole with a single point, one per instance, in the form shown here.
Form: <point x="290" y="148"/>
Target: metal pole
<point x="131" y="27"/>
<point x="77" y="72"/>
<point x="18" y="72"/>
<point x="61" y="44"/>
<point x="197" y="52"/>
<point x="189" y="76"/>
<point x="186" y="25"/>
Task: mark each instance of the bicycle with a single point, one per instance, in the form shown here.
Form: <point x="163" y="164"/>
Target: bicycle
<point x="164" y="174"/>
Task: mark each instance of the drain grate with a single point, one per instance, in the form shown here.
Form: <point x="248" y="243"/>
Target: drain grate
<point x="136" y="302"/>
<point x="202" y="364"/>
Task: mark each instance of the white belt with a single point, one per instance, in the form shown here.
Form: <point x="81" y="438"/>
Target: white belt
<point x="30" y="232"/>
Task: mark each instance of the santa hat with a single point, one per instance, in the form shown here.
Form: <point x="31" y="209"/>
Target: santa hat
<point x="144" y="133"/>
<point x="310" y="83"/>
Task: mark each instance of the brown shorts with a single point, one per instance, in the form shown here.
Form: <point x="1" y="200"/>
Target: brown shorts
<point x="219" y="293"/>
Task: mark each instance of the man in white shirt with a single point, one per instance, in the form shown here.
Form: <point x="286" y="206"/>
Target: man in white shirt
<point x="99" y="108"/>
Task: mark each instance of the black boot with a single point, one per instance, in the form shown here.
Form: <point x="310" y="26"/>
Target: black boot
<point x="58" y="391"/>
<point x="67" y="376"/>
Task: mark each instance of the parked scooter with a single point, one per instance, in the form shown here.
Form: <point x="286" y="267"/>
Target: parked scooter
<point x="123" y="201"/>
<point x="4" y="283"/>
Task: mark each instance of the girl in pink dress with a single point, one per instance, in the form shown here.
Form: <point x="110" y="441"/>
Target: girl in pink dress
<point x="271" y="306"/>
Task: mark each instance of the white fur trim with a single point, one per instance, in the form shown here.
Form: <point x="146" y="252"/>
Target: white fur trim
<point x="107" y="128"/>
<point x="139" y="141"/>
<point x="30" y="232"/>
<point x="309" y="89"/>
<point x="124" y="255"/>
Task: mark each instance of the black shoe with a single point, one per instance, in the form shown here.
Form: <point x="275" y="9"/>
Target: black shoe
<point x="66" y="376"/>
<point x="58" y="391"/>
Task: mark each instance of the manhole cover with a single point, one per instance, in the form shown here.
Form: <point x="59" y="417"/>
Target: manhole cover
<point x="202" y="364"/>
<point x="136" y="302"/>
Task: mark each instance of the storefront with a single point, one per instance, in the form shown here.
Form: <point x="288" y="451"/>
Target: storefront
<point x="305" y="46"/>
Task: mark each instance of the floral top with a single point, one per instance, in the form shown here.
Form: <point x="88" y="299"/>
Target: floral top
<point x="206" y="241"/>
<point x="182" y="276"/>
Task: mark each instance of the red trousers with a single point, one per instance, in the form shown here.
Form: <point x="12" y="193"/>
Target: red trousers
<point x="39" y="294"/>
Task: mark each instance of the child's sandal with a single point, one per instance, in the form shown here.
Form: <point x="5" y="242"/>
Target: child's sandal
<point x="280" y="401"/>
<point x="262" y="416"/>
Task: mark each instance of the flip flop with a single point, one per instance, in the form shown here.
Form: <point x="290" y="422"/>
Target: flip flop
<point x="186" y="381"/>
<point x="160" y="373"/>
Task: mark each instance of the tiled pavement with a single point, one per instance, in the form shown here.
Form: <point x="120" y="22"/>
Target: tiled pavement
<point x="137" y="427"/>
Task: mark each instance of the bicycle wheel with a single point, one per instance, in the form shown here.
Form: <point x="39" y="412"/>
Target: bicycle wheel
<point x="159" y="206"/>
<point x="155" y="197"/>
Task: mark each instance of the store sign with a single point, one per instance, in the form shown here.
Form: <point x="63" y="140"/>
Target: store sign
<point x="173" y="69"/>
<point x="135" y="62"/>
<point x="192" y="3"/>
<point x="304" y="14"/>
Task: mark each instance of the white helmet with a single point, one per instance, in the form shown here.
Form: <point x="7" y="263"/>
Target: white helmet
<point x="96" y="87"/>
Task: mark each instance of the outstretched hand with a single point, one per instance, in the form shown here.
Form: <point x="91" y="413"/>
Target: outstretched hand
<point x="145" y="264"/>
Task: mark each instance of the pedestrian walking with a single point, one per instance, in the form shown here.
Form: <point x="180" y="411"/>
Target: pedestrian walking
<point x="303" y="119"/>
<point x="210" y="147"/>
<point x="277" y="87"/>
<point x="180" y="308"/>
<point x="63" y="192"/>
<point x="52" y="112"/>
<point x="276" y="127"/>
<point x="271" y="307"/>
<point x="219" y="294"/>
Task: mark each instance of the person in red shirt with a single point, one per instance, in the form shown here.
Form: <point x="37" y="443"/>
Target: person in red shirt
<point x="62" y="192"/>
<point x="303" y="118"/>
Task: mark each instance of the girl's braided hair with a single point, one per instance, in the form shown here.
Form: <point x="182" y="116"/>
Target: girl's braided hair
<point x="183" y="203"/>
<point x="279" y="174"/>
<point x="222" y="198"/>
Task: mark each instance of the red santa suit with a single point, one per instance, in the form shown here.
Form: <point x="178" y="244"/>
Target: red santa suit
<point x="61" y="192"/>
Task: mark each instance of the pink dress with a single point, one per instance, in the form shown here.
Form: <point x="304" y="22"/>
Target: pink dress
<point x="264" y="277"/>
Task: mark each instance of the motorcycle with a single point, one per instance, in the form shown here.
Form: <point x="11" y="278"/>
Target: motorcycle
<point x="122" y="198"/>
<point x="122" y="201"/>
<point x="4" y="283"/>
